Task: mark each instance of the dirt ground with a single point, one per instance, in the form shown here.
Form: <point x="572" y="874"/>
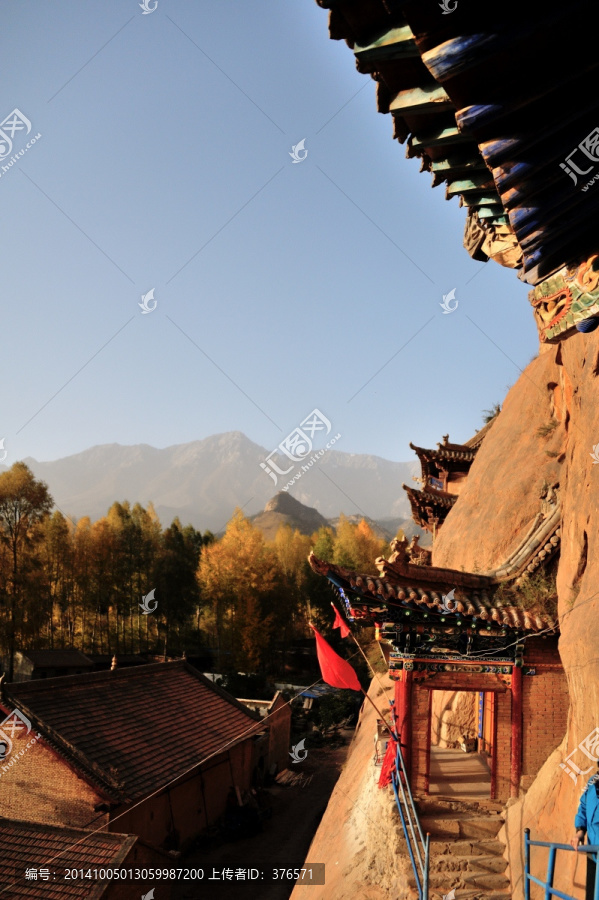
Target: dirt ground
<point x="283" y="843"/>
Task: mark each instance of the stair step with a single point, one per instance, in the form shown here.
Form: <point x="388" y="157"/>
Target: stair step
<point x="485" y="826"/>
<point x="455" y="876"/>
<point x="467" y="848"/>
<point x="461" y="826"/>
<point x="486" y="880"/>
<point x="472" y="894"/>
<point x="451" y="862"/>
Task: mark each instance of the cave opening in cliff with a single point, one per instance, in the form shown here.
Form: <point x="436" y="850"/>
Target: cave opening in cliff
<point x="461" y="744"/>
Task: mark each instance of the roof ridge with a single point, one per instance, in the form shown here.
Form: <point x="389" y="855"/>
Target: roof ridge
<point x="41" y="684"/>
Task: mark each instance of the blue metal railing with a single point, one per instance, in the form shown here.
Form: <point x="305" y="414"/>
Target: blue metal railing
<point x="547" y="885"/>
<point x="418" y="847"/>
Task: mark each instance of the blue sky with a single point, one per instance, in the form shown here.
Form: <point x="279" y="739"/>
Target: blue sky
<point x="164" y="164"/>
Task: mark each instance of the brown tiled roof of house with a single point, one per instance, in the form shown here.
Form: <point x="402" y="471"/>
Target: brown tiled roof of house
<point x="26" y="845"/>
<point x="133" y="730"/>
<point x="58" y="659"/>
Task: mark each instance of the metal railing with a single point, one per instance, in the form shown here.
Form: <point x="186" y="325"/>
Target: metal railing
<point x="547" y="885"/>
<point x="418" y="847"/>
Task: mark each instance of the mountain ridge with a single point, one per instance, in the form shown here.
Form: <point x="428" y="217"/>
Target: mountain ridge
<point x="203" y="481"/>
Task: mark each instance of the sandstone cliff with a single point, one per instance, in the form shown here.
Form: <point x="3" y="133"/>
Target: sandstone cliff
<point x="544" y="436"/>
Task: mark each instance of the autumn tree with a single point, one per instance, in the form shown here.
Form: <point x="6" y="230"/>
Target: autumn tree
<point x="357" y="546"/>
<point x="238" y="577"/>
<point x="24" y="502"/>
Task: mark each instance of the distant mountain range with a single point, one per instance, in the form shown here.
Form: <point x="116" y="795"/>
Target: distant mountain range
<point x="203" y="481"/>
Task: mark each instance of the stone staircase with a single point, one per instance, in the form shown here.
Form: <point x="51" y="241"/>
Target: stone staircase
<point x="465" y="854"/>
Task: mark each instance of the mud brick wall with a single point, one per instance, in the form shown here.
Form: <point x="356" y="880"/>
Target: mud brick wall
<point x="545" y="703"/>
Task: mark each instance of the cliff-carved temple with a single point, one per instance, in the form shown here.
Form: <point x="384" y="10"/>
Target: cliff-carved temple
<point x="470" y="631"/>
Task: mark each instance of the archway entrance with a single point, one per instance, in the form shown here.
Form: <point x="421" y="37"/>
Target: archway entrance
<point x="461" y="751"/>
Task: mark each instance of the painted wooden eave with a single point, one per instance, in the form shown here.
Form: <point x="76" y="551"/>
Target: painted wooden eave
<point x="453" y="164"/>
<point x="398" y="43"/>
<point x="459" y="54"/>
<point x="473" y="183"/>
<point x="437" y="138"/>
<point x="478" y="199"/>
<point x="492" y="212"/>
<point x="420" y="100"/>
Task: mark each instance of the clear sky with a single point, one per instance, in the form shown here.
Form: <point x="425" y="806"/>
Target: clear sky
<point x="164" y="163"/>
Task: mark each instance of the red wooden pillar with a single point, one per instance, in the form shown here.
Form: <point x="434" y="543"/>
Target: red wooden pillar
<point x="404" y="716"/>
<point x="493" y="744"/>
<point x="516" y="748"/>
<point x="429" y="728"/>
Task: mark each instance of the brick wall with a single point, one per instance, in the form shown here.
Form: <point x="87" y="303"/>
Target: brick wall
<point x="545" y="703"/>
<point x="503" y="747"/>
<point x="41" y="787"/>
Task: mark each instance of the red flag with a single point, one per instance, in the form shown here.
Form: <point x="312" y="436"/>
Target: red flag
<point x="388" y="763"/>
<point x="335" y="670"/>
<point x="339" y="623"/>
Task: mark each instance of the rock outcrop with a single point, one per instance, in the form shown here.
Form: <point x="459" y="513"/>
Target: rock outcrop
<point x="283" y="509"/>
<point x="543" y="440"/>
<point x="544" y="435"/>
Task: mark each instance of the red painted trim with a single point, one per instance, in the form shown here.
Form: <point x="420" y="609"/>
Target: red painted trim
<point x="405" y="719"/>
<point x="493" y="747"/>
<point x="427" y="774"/>
<point x="516" y="742"/>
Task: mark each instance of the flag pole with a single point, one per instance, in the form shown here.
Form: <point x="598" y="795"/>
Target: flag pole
<point x="370" y="700"/>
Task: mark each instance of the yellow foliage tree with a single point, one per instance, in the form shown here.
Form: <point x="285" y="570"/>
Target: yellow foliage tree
<point x="357" y="546"/>
<point x="236" y="575"/>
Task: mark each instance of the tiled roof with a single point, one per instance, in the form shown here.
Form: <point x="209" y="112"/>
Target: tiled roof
<point x="457" y="452"/>
<point x="397" y="590"/>
<point x="472" y="95"/>
<point x="431" y="497"/>
<point x="25" y="845"/>
<point x="476" y="440"/>
<point x="58" y="659"/>
<point x="133" y="730"/>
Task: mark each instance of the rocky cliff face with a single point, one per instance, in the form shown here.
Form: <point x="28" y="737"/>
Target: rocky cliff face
<point x="544" y="436"/>
<point x="453" y="714"/>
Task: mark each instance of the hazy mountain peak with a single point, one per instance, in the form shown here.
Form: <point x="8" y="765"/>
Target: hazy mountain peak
<point x="202" y="481"/>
